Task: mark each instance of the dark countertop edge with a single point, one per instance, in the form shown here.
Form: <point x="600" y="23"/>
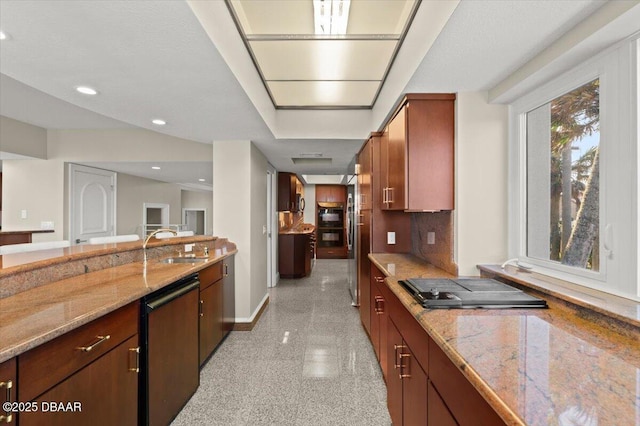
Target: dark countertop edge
<point x="610" y="306"/>
<point x="78" y="252"/>
<point x="35" y="341"/>
<point x="28" y="231"/>
<point x="417" y="310"/>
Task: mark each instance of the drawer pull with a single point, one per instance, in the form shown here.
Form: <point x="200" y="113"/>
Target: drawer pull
<point x="8" y="385"/>
<point x="201" y="309"/>
<point x="136" y="353"/>
<point x="403" y="375"/>
<point x="90" y="347"/>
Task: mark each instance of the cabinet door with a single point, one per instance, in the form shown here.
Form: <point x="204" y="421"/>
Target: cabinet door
<point x="229" y="295"/>
<point x="381" y="173"/>
<point x="396" y="162"/>
<point x="323" y="193"/>
<point x="437" y="411"/>
<point x="414" y="389"/>
<point x="106" y="391"/>
<point x="364" y="176"/>
<point x="210" y="319"/>
<point x="394" y="381"/>
<point x="379" y="317"/>
<point x="364" y="271"/>
<point x="373" y="314"/>
<point x="8" y="385"/>
<point x="286" y="191"/>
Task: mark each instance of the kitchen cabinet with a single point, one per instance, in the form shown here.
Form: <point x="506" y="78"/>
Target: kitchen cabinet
<point x="8" y="383"/>
<point x="364" y="268"/>
<point x="96" y="365"/>
<point x="423" y="385"/>
<point x="228" y="295"/>
<point x="211" y="309"/>
<point x="288" y="184"/>
<point x="417" y="155"/>
<point x="331" y="193"/>
<point x="295" y="253"/>
<point x="379" y="316"/>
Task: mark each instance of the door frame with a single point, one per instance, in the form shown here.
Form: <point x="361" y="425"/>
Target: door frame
<point x="73" y="167"/>
<point x="273" y="275"/>
<point x="191" y="209"/>
<point x="164" y="208"/>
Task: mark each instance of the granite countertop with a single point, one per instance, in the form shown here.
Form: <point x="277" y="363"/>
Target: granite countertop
<point x="306" y="229"/>
<point x="533" y="366"/>
<point x="33" y="317"/>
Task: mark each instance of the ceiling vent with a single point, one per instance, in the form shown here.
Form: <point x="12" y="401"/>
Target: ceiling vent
<point x="311" y="161"/>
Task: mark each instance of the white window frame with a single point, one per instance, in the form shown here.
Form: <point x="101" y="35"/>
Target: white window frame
<point x="616" y="68"/>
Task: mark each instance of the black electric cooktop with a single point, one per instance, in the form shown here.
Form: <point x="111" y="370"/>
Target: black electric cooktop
<point x="469" y="293"/>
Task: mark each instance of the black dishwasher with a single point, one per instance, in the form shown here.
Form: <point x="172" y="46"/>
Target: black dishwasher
<point x="169" y="345"/>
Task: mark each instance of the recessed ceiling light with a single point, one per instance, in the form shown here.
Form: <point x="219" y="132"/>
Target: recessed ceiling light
<point x="86" y="90"/>
<point x="201" y="180"/>
<point x="155" y="167"/>
<point x="158" y="122"/>
<point x="3" y="35"/>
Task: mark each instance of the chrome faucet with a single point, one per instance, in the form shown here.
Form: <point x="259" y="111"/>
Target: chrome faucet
<point x="146" y="241"/>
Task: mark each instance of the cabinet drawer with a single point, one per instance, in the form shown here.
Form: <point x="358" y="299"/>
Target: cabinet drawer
<point x="48" y="364"/>
<point x="210" y="275"/>
<point x="463" y="400"/>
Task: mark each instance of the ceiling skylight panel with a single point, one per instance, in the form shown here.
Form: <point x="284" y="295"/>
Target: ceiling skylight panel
<point x="323" y="93"/>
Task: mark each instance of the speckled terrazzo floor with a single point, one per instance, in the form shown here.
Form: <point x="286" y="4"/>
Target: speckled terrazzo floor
<point x="308" y="361"/>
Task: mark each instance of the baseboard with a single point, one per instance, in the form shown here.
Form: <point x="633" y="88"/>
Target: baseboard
<point x="247" y="324"/>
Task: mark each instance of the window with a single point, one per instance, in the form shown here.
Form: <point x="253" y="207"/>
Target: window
<point x="574" y="197"/>
<point x="563" y="204"/>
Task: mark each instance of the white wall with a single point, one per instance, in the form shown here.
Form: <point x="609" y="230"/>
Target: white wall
<point x="134" y="191"/>
<point x="39" y="186"/>
<point x="36" y="186"/>
<point x="239" y="212"/>
<point x="200" y="200"/>
<point x="481" y="182"/>
<point x="21" y="138"/>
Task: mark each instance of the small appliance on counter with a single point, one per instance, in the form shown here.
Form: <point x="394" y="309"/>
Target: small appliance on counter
<point x="469" y="293"/>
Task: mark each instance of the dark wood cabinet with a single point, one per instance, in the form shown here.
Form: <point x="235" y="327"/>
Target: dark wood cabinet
<point x="295" y="253"/>
<point x="105" y="392"/>
<point x="8" y="388"/>
<point x="423" y="385"/>
<point x="364" y="268"/>
<point x="288" y="185"/>
<point x="417" y="154"/>
<point x="331" y="193"/>
<point x="96" y="365"/>
<point x="228" y="294"/>
<point x="211" y="309"/>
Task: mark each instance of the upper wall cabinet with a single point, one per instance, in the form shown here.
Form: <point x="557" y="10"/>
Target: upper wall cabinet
<point x="417" y="154"/>
<point x="288" y="184"/>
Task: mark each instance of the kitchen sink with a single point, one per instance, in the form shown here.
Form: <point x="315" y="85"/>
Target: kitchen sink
<point x="185" y="260"/>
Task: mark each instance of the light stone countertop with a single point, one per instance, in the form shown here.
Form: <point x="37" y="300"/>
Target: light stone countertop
<point x="32" y="317"/>
<point x="534" y="366"/>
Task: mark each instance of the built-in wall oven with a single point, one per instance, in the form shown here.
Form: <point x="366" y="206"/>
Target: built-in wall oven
<point x="330" y="215"/>
<point x="330" y="237"/>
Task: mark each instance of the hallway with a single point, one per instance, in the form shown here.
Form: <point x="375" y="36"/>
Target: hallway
<point x="308" y="361"/>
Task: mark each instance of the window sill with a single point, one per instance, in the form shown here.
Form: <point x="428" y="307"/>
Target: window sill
<point x="606" y="309"/>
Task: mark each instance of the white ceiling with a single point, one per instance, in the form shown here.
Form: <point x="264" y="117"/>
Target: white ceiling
<point x="154" y="59"/>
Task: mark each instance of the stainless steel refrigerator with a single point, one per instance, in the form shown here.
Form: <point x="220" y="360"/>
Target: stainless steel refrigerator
<point x="352" y="249"/>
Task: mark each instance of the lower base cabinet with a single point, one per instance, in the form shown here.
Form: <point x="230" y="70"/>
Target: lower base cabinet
<point x="8" y="384"/>
<point x="86" y="376"/>
<point x="424" y="387"/>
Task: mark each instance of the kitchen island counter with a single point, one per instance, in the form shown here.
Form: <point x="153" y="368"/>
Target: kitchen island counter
<point x="533" y="366"/>
<point x="34" y="316"/>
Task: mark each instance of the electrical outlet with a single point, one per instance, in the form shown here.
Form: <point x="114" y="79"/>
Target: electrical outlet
<point x="46" y="225"/>
<point x="23" y="214"/>
<point x="391" y="237"/>
<point x="188" y="248"/>
<point x="431" y="237"/>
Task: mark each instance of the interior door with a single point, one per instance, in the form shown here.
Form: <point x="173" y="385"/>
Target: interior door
<point x="92" y="198"/>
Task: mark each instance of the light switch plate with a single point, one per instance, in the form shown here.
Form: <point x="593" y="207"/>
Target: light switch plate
<point x="391" y="237"/>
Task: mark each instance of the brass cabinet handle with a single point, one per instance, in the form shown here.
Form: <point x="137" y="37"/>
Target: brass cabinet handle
<point x="397" y="364"/>
<point x="93" y="345"/>
<point x="379" y="279"/>
<point x="136" y="354"/>
<point x="226" y="269"/>
<point x="390" y="195"/>
<point x="8" y="385"/>
<point x="403" y="375"/>
<point x="201" y="308"/>
<point x="379" y="305"/>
